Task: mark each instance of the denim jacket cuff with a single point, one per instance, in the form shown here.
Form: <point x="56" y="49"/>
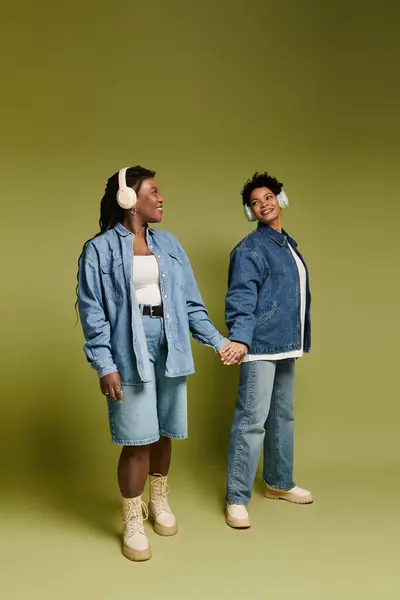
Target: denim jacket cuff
<point x="105" y="367"/>
<point x="241" y="336"/>
<point x="219" y="343"/>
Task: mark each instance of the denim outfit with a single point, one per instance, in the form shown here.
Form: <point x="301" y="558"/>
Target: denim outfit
<point x="263" y="299"/>
<point x="263" y="312"/>
<point x="118" y="337"/>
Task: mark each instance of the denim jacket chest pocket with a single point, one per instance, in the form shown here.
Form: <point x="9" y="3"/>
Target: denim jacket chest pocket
<point x="176" y="270"/>
<point x="112" y="271"/>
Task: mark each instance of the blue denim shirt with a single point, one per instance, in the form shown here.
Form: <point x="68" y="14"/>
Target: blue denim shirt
<point x="110" y="315"/>
<point x="263" y="299"/>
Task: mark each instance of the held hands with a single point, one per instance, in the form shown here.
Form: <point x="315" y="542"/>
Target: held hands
<point x="110" y="386"/>
<point x="233" y="353"/>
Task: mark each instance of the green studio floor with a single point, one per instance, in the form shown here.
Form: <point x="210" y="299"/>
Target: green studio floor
<point x="65" y="545"/>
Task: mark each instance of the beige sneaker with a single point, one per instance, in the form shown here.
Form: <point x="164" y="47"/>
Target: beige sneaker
<point x="237" y="516"/>
<point x="135" y="543"/>
<point x="296" y="495"/>
<point x="160" y="513"/>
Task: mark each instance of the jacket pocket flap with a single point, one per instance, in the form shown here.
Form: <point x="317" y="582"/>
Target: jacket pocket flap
<point x="110" y="265"/>
<point x="176" y="257"/>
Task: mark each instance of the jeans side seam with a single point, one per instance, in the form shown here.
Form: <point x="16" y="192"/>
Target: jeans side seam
<point x="277" y="462"/>
<point x="276" y="429"/>
<point x="244" y="423"/>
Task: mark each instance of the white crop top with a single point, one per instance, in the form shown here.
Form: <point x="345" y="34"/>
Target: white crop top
<point x="146" y="280"/>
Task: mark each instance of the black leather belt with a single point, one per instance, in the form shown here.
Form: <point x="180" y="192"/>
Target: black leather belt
<point x="153" y="311"/>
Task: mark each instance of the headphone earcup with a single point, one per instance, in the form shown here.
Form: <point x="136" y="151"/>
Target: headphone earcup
<point x="126" y="198"/>
<point x="283" y="200"/>
<point x="248" y="213"/>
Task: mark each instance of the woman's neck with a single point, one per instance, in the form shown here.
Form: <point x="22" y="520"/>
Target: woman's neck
<point x="276" y="225"/>
<point x="136" y="226"/>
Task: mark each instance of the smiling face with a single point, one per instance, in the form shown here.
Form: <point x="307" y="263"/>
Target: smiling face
<point x="150" y="202"/>
<point x="265" y="206"/>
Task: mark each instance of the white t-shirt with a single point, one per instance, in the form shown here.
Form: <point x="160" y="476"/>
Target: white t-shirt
<point x="293" y="353"/>
<point x="146" y="280"/>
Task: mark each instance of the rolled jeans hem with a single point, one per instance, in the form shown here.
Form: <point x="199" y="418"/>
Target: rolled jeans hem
<point x="231" y="500"/>
<point x="146" y="442"/>
<point x="174" y="436"/>
<point x="280" y="488"/>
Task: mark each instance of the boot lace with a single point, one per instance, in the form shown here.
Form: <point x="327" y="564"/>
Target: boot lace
<point x="133" y="519"/>
<point x="159" y="499"/>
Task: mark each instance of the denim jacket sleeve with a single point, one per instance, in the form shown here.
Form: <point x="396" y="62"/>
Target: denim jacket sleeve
<point x="96" y="328"/>
<point x="200" y="324"/>
<point x="246" y="275"/>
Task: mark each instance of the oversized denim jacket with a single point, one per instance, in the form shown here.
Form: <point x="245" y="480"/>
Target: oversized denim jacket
<point x="262" y="308"/>
<point x="110" y="315"/>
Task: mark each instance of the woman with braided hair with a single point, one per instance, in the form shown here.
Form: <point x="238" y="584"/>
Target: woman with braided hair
<point x="138" y="303"/>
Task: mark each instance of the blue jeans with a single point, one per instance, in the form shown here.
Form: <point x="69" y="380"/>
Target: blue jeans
<point x="262" y="420"/>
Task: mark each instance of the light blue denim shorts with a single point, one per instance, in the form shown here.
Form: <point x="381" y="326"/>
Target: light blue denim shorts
<point x="150" y="410"/>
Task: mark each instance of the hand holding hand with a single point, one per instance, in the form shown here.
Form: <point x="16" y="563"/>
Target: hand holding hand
<point x="233" y="353"/>
<point x="110" y="385"/>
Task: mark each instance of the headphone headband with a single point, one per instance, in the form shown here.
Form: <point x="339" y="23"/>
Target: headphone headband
<point x="122" y="178"/>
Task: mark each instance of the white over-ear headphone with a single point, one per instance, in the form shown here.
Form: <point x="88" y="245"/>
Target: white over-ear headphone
<point x="126" y="196"/>
<point x="283" y="202"/>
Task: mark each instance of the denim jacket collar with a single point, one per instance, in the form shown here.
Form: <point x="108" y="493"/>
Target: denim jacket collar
<point x="280" y="238"/>
<point x="119" y="228"/>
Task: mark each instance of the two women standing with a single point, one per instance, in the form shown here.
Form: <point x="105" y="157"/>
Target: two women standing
<point x="139" y="302"/>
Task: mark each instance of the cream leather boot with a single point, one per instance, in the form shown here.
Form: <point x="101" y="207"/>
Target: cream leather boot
<point x="135" y="543"/>
<point x="297" y="495"/>
<point x="160" y="513"/>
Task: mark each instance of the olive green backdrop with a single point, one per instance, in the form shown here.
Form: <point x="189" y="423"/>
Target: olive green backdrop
<point x="205" y="93"/>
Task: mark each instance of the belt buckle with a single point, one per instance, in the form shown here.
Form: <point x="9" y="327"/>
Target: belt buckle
<point x="151" y="312"/>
